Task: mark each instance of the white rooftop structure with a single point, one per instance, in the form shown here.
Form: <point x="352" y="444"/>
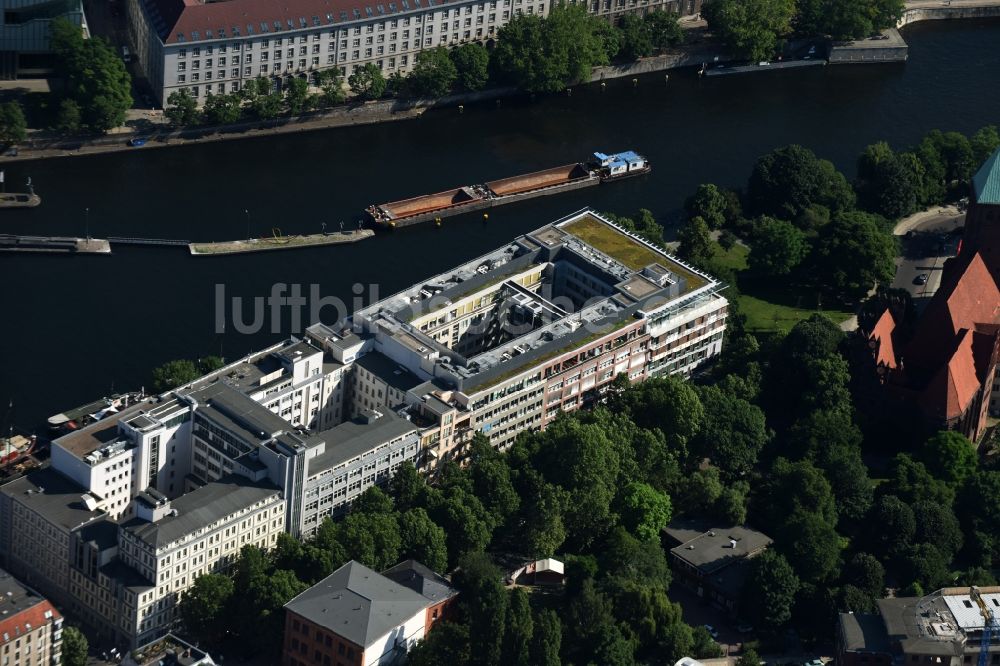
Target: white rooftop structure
<point x="966" y="611"/>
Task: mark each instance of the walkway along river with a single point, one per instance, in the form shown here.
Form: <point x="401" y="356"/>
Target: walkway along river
<point x="77" y="327"/>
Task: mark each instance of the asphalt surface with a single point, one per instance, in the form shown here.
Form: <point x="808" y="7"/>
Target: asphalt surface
<point x="926" y="245"/>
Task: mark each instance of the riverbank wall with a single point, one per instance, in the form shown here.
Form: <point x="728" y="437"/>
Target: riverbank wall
<point x="887" y="47"/>
<point x="945" y="12"/>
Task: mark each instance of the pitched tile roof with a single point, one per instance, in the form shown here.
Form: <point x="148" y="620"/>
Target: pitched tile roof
<point x="968" y="296"/>
<point x="881" y="335"/>
<point x="955" y="384"/>
<point x="986" y="182"/>
<point x="358" y="604"/>
<point x="180" y="21"/>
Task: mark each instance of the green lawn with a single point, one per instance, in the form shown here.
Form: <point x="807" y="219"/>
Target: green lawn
<point x="773" y="307"/>
<point x="767" y="316"/>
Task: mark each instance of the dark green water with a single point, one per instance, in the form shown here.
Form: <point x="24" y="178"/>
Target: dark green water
<point x="73" y="327"/>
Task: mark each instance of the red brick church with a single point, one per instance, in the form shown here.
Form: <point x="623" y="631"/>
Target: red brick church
<point x="946" y="370"/>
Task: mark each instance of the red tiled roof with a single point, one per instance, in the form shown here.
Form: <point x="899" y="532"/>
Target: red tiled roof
<point x="881" y="334"/>
<point x="15" y="626"/>
<point x="197" y="21"/>
<point x="968" y="296"/>
<point x="955" y="385"/>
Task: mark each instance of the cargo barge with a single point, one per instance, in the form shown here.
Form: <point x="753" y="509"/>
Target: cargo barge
<point x="600" y="168"/>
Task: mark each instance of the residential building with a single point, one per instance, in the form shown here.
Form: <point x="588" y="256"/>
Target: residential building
<point x="217" y="47"/>
<point x="30" y="628"/>
<point x="713" y="561"/>
<point x="172" y="542"/>
<point x="358" y="616"/>
<point x="944" y="373"/>
<point x="124" y="579"/>
<point x="945" y="627"/>
<point x="25" y="35"/>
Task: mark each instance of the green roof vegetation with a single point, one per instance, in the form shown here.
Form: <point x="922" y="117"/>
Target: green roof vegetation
<point x="628" y="251"/>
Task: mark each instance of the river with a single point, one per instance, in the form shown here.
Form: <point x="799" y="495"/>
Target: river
<point x="77" y="328"/>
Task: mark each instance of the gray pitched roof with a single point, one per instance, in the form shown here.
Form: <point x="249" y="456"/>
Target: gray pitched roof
<point x="421" y="580"/>
<point x="358" y="604"/>
<point x="864" y="632"/>
<point x="201" y="507"/>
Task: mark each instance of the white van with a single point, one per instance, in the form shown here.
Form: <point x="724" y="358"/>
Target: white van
<point x="126" y="55"/>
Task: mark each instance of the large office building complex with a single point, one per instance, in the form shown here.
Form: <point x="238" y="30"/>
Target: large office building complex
<point x="217" y="47"/>
<point x="139" y="503"/>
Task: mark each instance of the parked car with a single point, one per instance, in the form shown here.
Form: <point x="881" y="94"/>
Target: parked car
<point x="920" y="279"/>
<point x="137" y="142"/>
<point x="712" y="632"/>
<point x="126" y="54"/>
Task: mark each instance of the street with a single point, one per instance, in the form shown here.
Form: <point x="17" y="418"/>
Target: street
<point x="927" y="239"/>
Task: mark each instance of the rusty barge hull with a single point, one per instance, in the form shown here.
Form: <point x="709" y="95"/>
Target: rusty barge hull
<point x="472" y="198"/>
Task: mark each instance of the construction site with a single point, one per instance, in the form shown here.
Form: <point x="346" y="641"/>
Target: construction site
<point x="952" y="626"/>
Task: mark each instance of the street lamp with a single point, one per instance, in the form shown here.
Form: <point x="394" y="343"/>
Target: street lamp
<point x="245" y="210"/>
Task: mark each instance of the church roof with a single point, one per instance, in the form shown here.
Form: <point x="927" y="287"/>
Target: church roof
<point x="881" y="334"/>
<point x="986" y="182"/>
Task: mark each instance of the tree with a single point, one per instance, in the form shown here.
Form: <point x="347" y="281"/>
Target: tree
<point x="788" y="181"/>
<point x="546" y="55"/>
<point x="182" y="108"/>
<point x="485" y="601"/>
<point x="769" y="592"/>
<point x="925" y="565"/>
<point x="466" y="522"/>
<point x="664" y="29"/>
<point x="407" y="487"/>
<point x="984" y="143"/>
<point x="637" y="39"/>
<point x="938" y="526"/>
<point x="540" y="529"/>
<point x="433" y="75"/>
<point x="172" y="374"/>
<point x="13" y="126"/>
<point x="644" y="510"/>
<point x="888" y="184"/>
<point x="448" y="643"/>
<point x="750" y="28"/>
<point x="707" y="202"/>
<point x="891" y="526"/>
<point x="519" y="630"/>
<point x="471" y="65"/>
<point x="865" y="572"/>
<point x="74" y="647"/>
<point x="223" y="109"/>
<point x="778" y="247"/>
<point x="332" y="85"/>
<point x="367" y="82"/>
<point x="492" y="485"/>
<point x="547" y="638"/>
<point x="373" y="539"/>
<point x="811" y="545"/>
<point x="748" y="658"/>
<point x="733" y="433"/>
<point x="792" y="489"/>
<point x="856" y="253"/>
<point x="373" y="501"/>
<point x="422" y="540"/>
<point x="297" y="96"/>
<point x="950" y="457"/>
<point x="203" y="607"/>
<point x="696" y="245"/>
<point x="68" y="119"/>
<point x="955" y="152"/>
<point x="95" y="77"/>
<point x="704" y="646"/>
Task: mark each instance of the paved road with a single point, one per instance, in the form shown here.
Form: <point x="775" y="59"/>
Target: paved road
<point x="927" y="239"/>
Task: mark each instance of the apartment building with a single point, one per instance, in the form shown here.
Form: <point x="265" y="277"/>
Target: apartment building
<point x="124" y="578"/>
<point x="30" y="627"/>
<point x="217" y="47"/>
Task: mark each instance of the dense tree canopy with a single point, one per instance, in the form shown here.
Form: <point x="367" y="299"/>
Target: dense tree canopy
<point x="95" y="77"/>
<point x="750" y="28"/>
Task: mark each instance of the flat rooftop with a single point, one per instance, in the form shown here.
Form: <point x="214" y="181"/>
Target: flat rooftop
<point x="715" y="547"/>
<point x="97" y="435"/>
<point x="633" y="277"/>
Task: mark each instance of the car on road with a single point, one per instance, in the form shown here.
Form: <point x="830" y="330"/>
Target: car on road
<point x="137" y="142"/>
<point x="920" y="279"/>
